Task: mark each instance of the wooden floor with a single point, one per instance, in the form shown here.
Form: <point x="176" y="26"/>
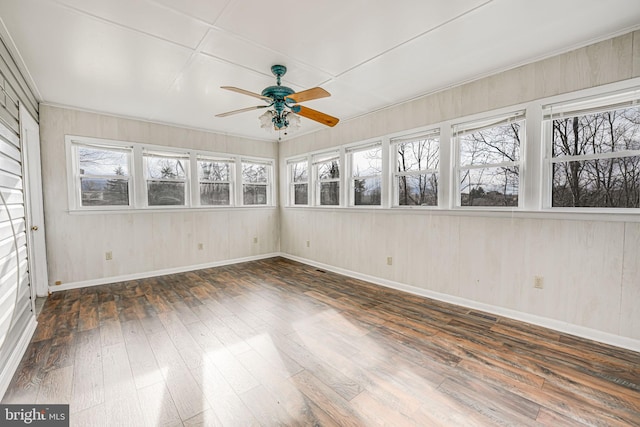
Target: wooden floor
<point x="275" y="342"/>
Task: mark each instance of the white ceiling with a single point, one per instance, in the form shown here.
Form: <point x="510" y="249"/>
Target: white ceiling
<point x="165" y="60"/>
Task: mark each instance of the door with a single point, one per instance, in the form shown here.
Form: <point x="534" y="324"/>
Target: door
<point x="30" y="136"/>
<point x="16" y="306"/>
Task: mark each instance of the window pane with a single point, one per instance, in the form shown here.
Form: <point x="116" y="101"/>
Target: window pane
<point x="329" y="170"/>
<point x="604" y="132"/>
<point x="418" y="155"/>
<point x="104" y="192"/>
<point x="490" y="187"/>
<point x="607" y="183"/>
<point x="214" y="194"/>
<point x="492" y="145"/>
<point x="330" y="193"/>
<point x="254" y="172"/>
<point x="367" y="163"/>
<point x="418" y="190"/>
<point x="254" y="194"/>
<point x="162" y="193"/>
<point x="99" y="161"/>
<point x="165" y="167"/>
<point x="299" y="172"/>
<point x="213" y="171"/>
<point x="300" y="194"/>
<point x="366" y="191"/>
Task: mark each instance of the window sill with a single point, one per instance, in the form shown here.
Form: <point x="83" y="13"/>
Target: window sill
<point x="567" y="215"/>
<point x="148" y="210"/>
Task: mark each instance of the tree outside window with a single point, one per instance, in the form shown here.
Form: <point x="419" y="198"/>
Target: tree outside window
<point x="104" y="175"/>
<point x="299" y="171"/>
<point x="166" y="179"/>
<point x="366" y="174"/>
<point x="328" y="179"/>
<point x="214" y="178"/>
<point x="416" y="174"/>
<point x="255" y="183"/>
<point x="596" y="159"/>
<point x="489" y="159"/>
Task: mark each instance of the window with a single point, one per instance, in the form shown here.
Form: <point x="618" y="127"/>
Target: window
<point x="214" y="180"/>
<point x="595" y="152"/>
<point x="103" y="175"/>
<point x="255" y="183"/>
<point x="366" y="174"/>
<point x="166" y="176"/>
<point x="415" y="178"/>
<point x="489" y="160"/>
<point x="299" y="182"/>
<point x="107" y="175"/>
<point x="327" y="169"/>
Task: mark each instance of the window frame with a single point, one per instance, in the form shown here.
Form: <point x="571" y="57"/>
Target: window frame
<point x="173" y="155"/>
<point x="230" y="182"/>
<point x="576" y="107"/>
<point x="317" y="160"/>
<point x="268" y="184"/>
<point x="460" y="128"/>
<point x="293" y="183"/>
<point x="349" y="152"/>
<point x="75" y="177"/>
<point x="395" y="174"/>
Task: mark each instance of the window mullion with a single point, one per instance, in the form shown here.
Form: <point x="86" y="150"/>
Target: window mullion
<point x="139" y="178"/>
<point x="193" y="178"/>
<point x="385" y="183"/>
<point x="531" y="174"/>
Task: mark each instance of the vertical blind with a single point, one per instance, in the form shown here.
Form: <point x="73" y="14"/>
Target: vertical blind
<point x="15" y="294"/>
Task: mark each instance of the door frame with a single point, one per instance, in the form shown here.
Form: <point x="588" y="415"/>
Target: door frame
<point x="34" y="206"/>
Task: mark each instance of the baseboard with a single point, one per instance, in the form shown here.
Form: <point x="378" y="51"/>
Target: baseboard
<point x="565" y="327"/>
<point x="155" y="273"/>
<point x="7" y="372"/>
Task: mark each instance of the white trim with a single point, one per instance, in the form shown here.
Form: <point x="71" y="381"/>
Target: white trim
<point x="557" y="325"/>
<point x="566" y="214"/>
<point x="155" y="273"/>
<point x="32" y="174"/>
<point x="12" y="363"/>
<point x="606" y="155"/>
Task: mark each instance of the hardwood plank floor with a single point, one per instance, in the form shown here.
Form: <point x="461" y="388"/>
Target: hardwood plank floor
<point x="275" y="342"/>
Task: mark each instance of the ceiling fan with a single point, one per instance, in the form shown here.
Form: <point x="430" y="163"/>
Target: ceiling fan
<point x="285" y="102"/>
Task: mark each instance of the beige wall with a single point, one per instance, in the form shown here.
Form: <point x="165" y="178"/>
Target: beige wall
<point x="142" y="242"/>
<point x="591" y="266"/>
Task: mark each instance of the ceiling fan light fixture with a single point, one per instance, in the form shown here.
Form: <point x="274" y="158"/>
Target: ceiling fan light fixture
<point x="266" y="120"/>
<point x="294" y="121"/>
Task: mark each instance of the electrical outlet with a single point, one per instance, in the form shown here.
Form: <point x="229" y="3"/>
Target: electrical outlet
<point x="200" y="246"/>
<point x="108" y="255"/>
<point x="389" y="260"/>
<point x="538" y="282"/>
<point x="308" y="243"/>
<point x="255" y="240"/>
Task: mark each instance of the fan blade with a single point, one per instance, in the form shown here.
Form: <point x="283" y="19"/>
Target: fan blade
<point x="319" y="117"/>
<point x="309" y="94"/>
<point x="246" y="92"/>
<point x="242" y="110"/>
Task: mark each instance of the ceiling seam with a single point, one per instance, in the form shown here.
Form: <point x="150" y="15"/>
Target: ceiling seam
<point x="216" y="27"/>
<point x="117" y="24"/>
<point x="197" y="48"/>
<point x="430" y="30"/>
